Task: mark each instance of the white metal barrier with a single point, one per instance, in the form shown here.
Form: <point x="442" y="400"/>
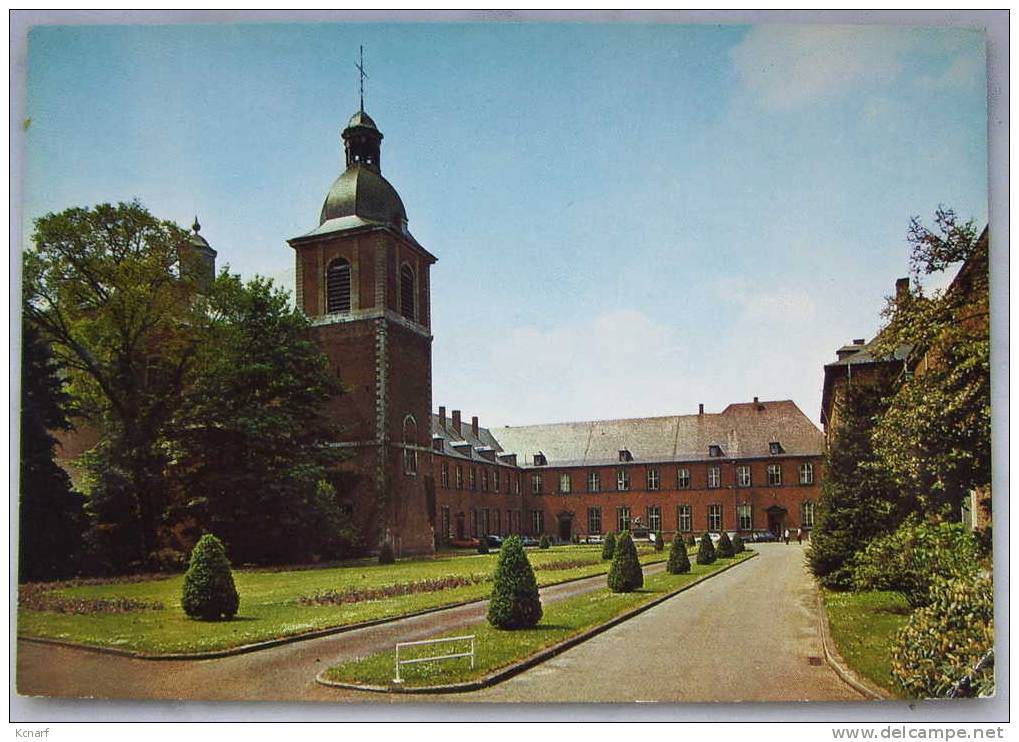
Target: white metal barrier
<point x="435" y="658"/>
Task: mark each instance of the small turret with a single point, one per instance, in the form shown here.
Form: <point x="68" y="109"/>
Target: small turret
<point x="198" y="259"/>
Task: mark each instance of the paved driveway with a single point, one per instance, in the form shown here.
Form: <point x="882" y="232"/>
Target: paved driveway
<point x="747" y="635"/>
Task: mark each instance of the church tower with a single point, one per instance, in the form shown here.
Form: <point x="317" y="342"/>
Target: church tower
<point x="362" y="280"/>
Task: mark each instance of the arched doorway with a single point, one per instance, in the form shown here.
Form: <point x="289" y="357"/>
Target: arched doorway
<point x="776" y="519"/>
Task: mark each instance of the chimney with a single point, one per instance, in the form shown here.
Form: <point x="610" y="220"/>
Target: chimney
<point x="700" y="409"/>
<point x="456" y="422"/>
<point x="442" y="417"/>
<point x="474" y="425"/>
<point x="858" y="341"/>
<point x="901" y="289"/>
<point x="755" y="400"/>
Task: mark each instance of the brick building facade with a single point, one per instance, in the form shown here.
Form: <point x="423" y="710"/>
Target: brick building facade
<point x="753" y="466"/>
<point x="363" y="280"/>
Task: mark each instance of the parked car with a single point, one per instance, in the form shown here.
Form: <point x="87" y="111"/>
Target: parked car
<point x="761" y="535"/>
<point x="528" y="540"/>
<point x="493" y="540"/>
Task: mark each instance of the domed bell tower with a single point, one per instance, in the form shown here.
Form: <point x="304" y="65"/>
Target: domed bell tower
<point x="363" y="281"/>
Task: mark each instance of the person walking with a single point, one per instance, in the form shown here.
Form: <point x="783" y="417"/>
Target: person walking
<point x="799" y="535"/>
<point x="787" y="537"/>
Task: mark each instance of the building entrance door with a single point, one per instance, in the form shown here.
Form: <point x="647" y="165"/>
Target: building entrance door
<point x="565" y="528"/>
<point x="776" y="520"/>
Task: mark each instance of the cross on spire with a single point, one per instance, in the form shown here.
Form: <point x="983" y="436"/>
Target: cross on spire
<point x="364" y="76"/>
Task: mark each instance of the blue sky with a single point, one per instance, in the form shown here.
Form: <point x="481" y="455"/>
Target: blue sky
<point x="630" y="219"/>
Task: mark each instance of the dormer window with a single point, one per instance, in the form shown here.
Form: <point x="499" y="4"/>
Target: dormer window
<point x="625" y="455"/>
<point x="776" y="448"/>
<point x="714" y="451"/>
<point x="539" y="459"/>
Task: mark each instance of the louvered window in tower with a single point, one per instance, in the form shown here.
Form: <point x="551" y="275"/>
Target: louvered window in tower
<point x="407" y="292"/>
<point x="338" y="286"/>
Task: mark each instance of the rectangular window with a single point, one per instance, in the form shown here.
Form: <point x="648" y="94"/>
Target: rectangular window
<point x="495" y="480"/>
<point x="684" y="517"/>
<point x="714" y="517"/>
<point x="484" y="480"/>
<point x="806" y="473"/>
<point x="474" y="523"/>
<point x="509" y="523"/>
<point x="444" y="472"/>
<point x="536" y="484"/>
<point x="654" y="518"/>
<point x="594" y="482"/>
<point x="743" y="475"/>
<point x="653" y="480"/>
<point x="484" y="522"/>
<point x="446" y="525"/>
<point x="474" y="478"/>
<point x="683" y="478"/>
<point x="774" y="475"/>
<point x="516" y="485"/>
<point x="746" y="521"/>
<point x="807" y="517"/>
<point x="459" y="477"/>
<point x="622" y="480"/>
<point x="565" y="485"/>
<point x="594" y="521"/>
<point x="496" y="525"/>
<point x="714" y="477"/>
<point x="623" y="518"/>
<point x="537" y="522"/>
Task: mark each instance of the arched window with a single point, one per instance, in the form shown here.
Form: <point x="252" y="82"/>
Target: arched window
<point x="407" y="292"/>
<point x="410" y="455"/>
<point x="338" y="286"/>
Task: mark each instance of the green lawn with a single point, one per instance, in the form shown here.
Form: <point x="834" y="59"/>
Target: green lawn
<point x="863" y="626"/>
<point x="495" y="648"/>
<point x="269" y="602"/>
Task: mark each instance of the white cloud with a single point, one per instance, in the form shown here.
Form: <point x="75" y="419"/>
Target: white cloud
<point x="784" y="67"/>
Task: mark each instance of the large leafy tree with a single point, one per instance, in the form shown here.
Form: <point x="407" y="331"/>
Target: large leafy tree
<point x="103" y="286"/>
<point x="858" y="499"/>
<point x="935" y="437"/>
<point x="50" y="514"/>
<point x="251" y="449"/>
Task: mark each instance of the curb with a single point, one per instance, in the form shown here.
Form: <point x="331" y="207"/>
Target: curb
<point x="270" y="643"/>
<point x="862" y="686"/>
<point x="535" y="659"/>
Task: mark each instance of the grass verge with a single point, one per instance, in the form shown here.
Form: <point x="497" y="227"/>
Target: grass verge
<point x="863" y="627"/>
<point x="496" y="649"/>
<point x="270" y="607"/>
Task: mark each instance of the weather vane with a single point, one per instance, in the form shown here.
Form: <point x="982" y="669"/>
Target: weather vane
<point x="364" y="76"/>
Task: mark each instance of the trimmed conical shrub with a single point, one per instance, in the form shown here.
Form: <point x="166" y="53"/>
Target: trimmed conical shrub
<point x="679" y="560"/>
<point x="725" y="549"/>
<point x="209" y="591"/>
<point x="515" y="603"/>
<point x="659" y="543"/>
<point x="609" y="546"/>
<point x="386" y="555"/>
<point x="706" y="554"/>
<point x="737" y="544"/>
<point x="625" y="574"/>
<point x="543" y="542"/>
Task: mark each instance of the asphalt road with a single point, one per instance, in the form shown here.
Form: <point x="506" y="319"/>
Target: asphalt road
<point x="746" y="635"/>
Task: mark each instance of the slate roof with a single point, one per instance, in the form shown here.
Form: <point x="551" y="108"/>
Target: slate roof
<point x="484" y="441"/>
<point x="743" y="430"/>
